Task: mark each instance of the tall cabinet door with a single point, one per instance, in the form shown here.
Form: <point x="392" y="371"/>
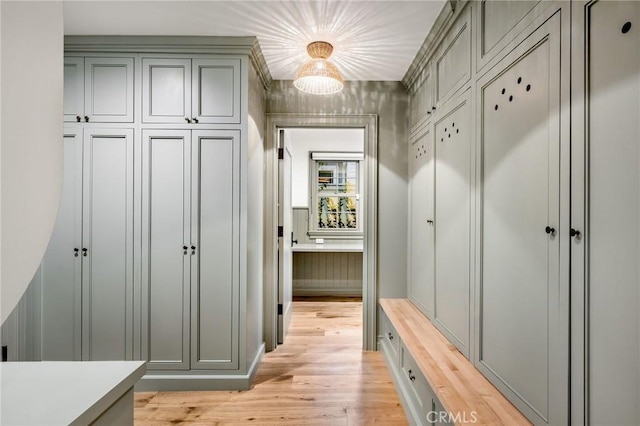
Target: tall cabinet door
<point x="107" y="269"/>
<point x="215" y="234"/>
<point x="166" y="90"/>
<point x="216" y="90"/>
<point x="452" y="221"/>
<point x="522" y="303"/>
<point x="73" y="88"/>
<point x="613" y="216"/>
<point x="421" y="248"/>
<point x="166" y="251"/>
<point x="61" y="266"/>
<point x="108" y="90"/>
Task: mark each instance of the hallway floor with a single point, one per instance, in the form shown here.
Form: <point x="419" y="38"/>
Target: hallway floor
<point x="320" y="376"/>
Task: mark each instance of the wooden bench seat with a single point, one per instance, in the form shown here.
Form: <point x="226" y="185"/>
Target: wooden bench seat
<point x="459" y="387"/>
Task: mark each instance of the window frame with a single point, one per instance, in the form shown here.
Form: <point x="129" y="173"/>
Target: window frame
<point x="315" y="157"/>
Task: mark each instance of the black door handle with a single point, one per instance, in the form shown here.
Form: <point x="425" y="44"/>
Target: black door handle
<point x="86" y="118"/>
<point x="575" y="233"/>
<point x="84" y="252"/>
<point x="430" y="222"/>
<point x="187" y="119"/>
<point x="195" y="120"/>
<point x="550" y="230"/>
<point x="78" y="118"/>
<point x="193" y="250"/>
<point x="185" y="248"/>
<point x="76" y="252"/>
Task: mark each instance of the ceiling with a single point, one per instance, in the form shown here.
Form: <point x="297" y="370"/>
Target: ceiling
<point x="373" y="40"/>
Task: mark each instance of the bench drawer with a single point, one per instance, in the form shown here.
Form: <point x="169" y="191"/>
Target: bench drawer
<point x="390" y="336"/>
<point x="420" y="391"/>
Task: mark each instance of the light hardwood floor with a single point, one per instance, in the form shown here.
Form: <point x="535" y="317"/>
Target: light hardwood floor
<point x="320" y="376"/>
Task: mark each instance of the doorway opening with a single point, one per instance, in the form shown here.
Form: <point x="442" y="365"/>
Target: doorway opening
<point x="320" y="217"/>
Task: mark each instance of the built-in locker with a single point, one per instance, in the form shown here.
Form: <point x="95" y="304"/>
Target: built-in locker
<point x="421" y="216"/>
<point x="452" y="221"/>
<point x="522" y="305"/>
<point x="612" y="234"/>
<point x="87" y="271"/>
<point x="190" y="252"/>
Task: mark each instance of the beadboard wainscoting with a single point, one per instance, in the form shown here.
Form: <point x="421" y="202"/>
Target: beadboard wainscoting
<point x="324" y="273"/>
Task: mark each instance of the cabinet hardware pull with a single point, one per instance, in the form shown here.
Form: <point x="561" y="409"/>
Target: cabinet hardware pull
<point x="195" y="120"/>
<point x="390" y="336"/>
<point x="575" y="233"/>
<point x="430" y="222"/>
<point x="84" y="252"/>
<point x="187" y="119"/>
<point x="78" y="118"/>
<point x="411" y="376"/>
<point x="185" y="248"/>
<point x="76" y="252"/>
<point x="433" y="108"/>
<point x="428" y="112"/>
<point x="193" y="250"/>
<point x="86" y="119"/>
<point x="550" y="230"/>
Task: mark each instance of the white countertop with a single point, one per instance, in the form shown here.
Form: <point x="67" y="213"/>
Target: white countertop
<point x="63" y="393"/>
<point x="348" y="248"/>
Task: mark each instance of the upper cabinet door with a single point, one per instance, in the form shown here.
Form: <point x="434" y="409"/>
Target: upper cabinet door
<point x="73" y="89"/>
<point x="108" y="92"/>
<point x="216" y="91"/>
<point x="166" y="90"/>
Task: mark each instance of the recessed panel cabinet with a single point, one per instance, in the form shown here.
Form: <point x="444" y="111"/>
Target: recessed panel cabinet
<point x="523" y="324"/>
<point x="421" y="242"/>
<point x="87" y="271"/>
<point x="190" y="251"/>
<point x="98" y="89"/>
<point x="612" y="235"/>
<point x="190" y="91"/>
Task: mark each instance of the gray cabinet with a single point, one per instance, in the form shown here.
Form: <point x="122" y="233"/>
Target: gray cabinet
<point x="98" y="89"/>
<point x="452" y="221"/>
<point x="190" y="91"/>
<point x="190" y="254"/>
<point x="612" y="237"/>
<point x="453" y="64"/>
<point x="87" y="271"/>
<point x="421" y="216"/>
<point x="523" y="309"/>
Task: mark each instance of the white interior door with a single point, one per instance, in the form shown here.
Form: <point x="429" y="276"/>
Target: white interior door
<point x="284" y="238"/>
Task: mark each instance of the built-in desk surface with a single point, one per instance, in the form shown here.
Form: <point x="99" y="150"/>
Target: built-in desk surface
<point x="329" y="248"/>
<point x="63" y="393"/>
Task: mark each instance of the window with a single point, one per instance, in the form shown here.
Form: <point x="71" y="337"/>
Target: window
<point x="335" y="195"/>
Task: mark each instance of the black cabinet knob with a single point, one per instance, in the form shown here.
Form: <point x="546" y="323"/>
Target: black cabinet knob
<point x="574" y="233"/>
<point x="187" y="119"/>
<point x="78" y="118"/>
<point x="193" y="250"/>
<point x="86" y="119"/>
<point x="185" y="248"/>
<point x="84" y="252"/>
<point x="195" y="120"/>
<point x="76" y="252"/>
<point x="390" y="336"/>
<point x="430" y="222"/>
<point x="550" y="230"/>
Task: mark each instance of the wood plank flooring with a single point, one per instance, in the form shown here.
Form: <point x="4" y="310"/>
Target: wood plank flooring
<point x="320" y="376"/>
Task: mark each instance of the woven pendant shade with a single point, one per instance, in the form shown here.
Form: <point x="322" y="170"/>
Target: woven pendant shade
<point x="318" y="76"/>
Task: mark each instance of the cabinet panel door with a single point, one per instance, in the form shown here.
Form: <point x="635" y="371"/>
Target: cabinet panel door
<point x="216" y="90"/>
<point x="166" y="90"/>
<point x="165" y="231"/>
<point x="613" y="233"/>
<point x="523" y="341"/>
<point x="421" y="235"/>
<point x="452" y="221"/>
<point x="109" y="90"/>
<point x="454" y="62"/>
<point x="107" y="268"/>
<point x="422" y="100"/>
<point x="73" y="88"/>
<point x="61" y="266"/>
<point x="216" y="234"/>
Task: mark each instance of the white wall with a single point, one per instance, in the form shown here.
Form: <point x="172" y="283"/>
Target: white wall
<point x="304" y="141"/>
<point x="32" y="45"/>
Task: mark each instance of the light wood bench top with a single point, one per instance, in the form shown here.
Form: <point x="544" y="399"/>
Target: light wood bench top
<point x="459" y="386"/>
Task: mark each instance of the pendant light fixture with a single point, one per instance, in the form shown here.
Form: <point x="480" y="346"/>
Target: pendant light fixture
<point x="318" y="76"/>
